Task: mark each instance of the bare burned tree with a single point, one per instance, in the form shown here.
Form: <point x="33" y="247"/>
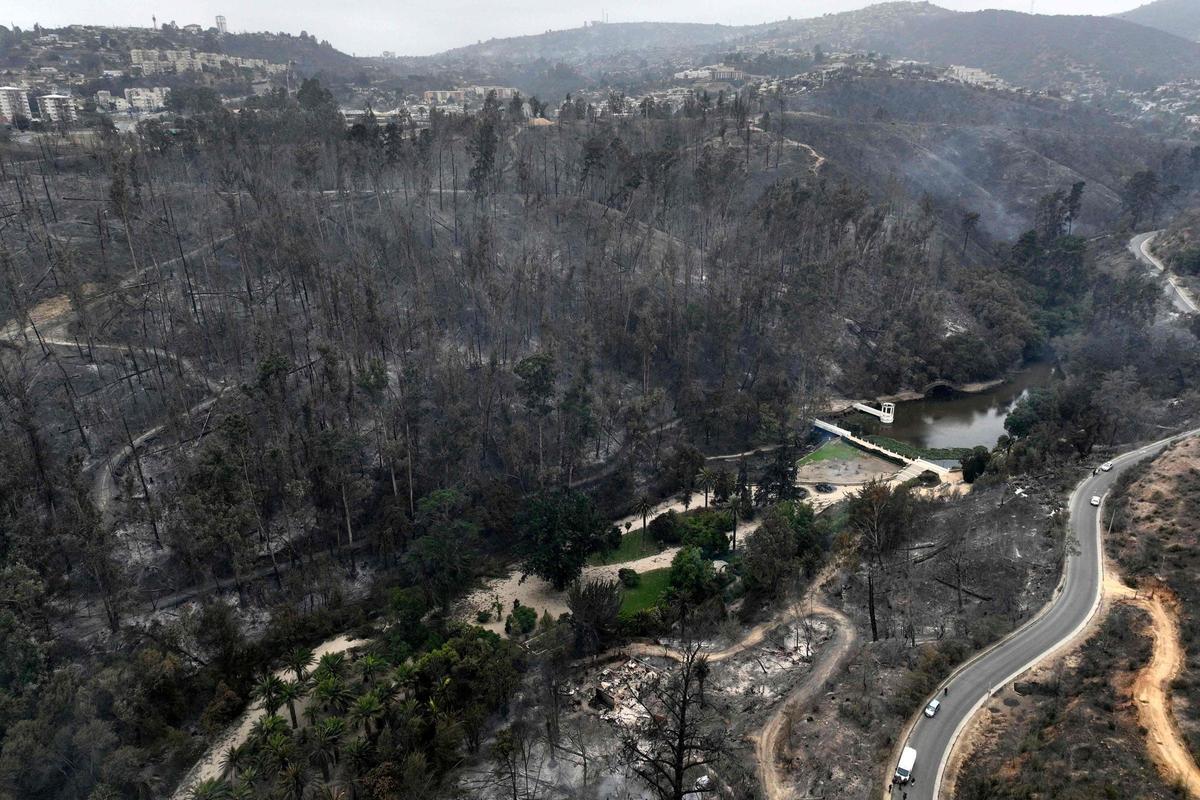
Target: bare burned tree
<point x="681" y="738"/>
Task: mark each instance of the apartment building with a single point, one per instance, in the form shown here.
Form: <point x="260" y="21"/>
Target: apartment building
<point x="13" y="101"/>
<point x="159" y="62"/>
<point x="57" y="108"/>
<point x="141" y="99"/>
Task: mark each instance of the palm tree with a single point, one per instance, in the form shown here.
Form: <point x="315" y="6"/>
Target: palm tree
<point x="243" y="790"/>
<point x="299" y="660"/>
<point x="266" y="691"/>
<point x="330" y="666"/>
<point x="279" y="750"/>
<point x="325" y="738"/>
<point x="211" y="789"/>
<point x="329" y="791"/>
<point x="312" y="713"/>
<point x="706" y="478"/>
<point x="333" y="695"/>
<point x="289" y="693"/>
<point x="234" y="759"/>
<point x="293" y="779"/>
<point x="366" y="710"/>
<point x="358" y="754"/>
<point x="408" y="723"/>
<point x="247" y="777"/>
<point x="267" y="727"/>
<point x="643" y="507"/>
<point x="371" y="664"/>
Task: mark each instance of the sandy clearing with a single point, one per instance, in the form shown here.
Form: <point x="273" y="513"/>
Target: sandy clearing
<point x="539" y="595"/>
<point x="846" y="471"/>
<point x="50" y="310"/>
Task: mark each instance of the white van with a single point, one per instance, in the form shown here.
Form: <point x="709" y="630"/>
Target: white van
<point x="904" y="769"/>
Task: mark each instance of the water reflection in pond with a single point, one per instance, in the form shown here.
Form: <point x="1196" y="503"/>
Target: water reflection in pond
<point x="965" y="420"/>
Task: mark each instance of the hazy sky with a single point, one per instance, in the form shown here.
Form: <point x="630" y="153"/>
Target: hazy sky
<point x="420" y="27"/>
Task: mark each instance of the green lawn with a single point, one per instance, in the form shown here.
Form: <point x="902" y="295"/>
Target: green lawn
<point x="634" y="545"/>
<point x="835" y="449"/>
<point x="652" y="587"/>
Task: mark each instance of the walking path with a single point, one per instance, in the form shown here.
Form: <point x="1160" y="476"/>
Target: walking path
<point x="1151" y="689"/>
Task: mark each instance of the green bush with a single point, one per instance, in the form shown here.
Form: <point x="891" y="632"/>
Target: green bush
<point x="705" y="528"/>
<point x="629" y="578"/>
<point x="521" y="621"/>
<point x="665" y="528"/>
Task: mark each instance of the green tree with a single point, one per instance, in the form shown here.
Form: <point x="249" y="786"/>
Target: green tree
<point x="291" y="692"/>
<point x="1139" y="195"/>
<point x="537" y="379"/>
<point x="558" y="529"/>
<point x="299" y="660"/>
<point x="268" y="691"/>
<point x="366" y="711"/>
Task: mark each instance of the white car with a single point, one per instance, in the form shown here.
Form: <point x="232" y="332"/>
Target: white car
<point x="932" y="709"/>
<point x="1095" y="499"/>
<point x="1106" y="466"/>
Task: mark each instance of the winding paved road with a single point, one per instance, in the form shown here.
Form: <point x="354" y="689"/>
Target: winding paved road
<point x="1057" y="625"/>
<point x="1180" y="298"/>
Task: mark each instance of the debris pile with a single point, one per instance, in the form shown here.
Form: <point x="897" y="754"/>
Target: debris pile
<point x="613" y="692"/>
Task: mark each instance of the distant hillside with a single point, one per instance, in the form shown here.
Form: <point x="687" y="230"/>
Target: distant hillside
<point x="1180" y="17"/>
<point x="581" y="44"/>
<point x="967" y="148"/>
<point x="1030" y="50"/>
<point x="309" y="54"/>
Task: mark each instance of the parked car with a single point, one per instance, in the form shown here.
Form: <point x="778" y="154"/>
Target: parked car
<point x="1095" y="499"/>
<point x="1106" y="466"/>
<point x="932" y="709"/>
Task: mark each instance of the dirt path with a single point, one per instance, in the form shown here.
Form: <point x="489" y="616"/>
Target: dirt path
<point x="211" y="767"/>
<point x="1152" y="694"/>
<point x="770" y="739"/>
<point x="1152" y="686"/>
<point x="104" y="486"/>
<point x="818" y="159"/>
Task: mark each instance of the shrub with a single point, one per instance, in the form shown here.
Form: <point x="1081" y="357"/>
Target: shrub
<point x="223" y="709"/>
<point x="521" y="621"/>
<point x="707" y="531"/>
<point x="665" y="528"/>
<point x="629" y="578"/>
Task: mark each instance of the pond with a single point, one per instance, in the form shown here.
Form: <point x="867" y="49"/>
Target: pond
<point x="965" y="420"/>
